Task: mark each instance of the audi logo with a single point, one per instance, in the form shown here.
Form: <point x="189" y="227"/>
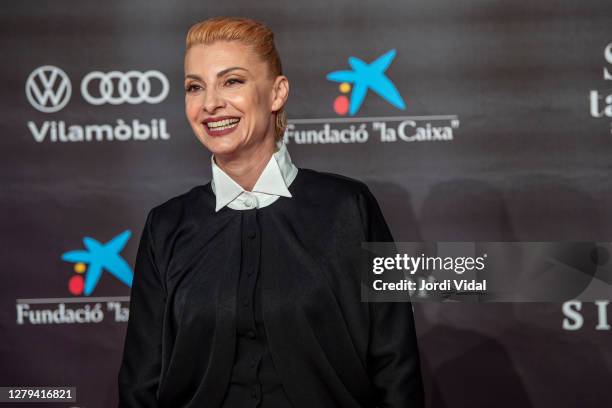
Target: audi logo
<point x="116" y="87"/>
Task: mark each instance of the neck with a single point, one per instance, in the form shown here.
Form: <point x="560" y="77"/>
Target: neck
<point x="246" y="167"/>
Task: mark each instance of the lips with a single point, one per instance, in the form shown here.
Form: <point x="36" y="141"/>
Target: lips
<point x="221" y="125"/>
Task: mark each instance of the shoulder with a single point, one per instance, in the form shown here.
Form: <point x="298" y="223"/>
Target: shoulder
<point x="333" y="194"/>
<point x="176" y="209"/>
<point x="331" y="184"/>
<point x="342" y="198"/>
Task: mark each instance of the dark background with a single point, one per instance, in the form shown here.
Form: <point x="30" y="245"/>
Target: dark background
<point x="527" y="163"/>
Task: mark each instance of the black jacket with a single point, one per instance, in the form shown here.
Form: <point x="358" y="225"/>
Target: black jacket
<point x="330" y="349"/>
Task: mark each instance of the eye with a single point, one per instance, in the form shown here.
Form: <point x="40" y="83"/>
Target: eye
<point x="233" y="81"/>
<point x="192" y="88"/>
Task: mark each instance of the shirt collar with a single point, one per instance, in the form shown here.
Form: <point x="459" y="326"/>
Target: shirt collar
<point x="274" y="180"/>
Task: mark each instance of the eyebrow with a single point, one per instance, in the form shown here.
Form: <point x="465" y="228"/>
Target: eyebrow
<point x="219" y="74"/>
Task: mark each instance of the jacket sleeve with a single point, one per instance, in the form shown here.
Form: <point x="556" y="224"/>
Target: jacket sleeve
<point x="141" y="364"/>
<point x="393" y="355"/>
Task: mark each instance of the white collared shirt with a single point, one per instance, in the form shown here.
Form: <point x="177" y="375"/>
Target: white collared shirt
<point x="273" y="183"/>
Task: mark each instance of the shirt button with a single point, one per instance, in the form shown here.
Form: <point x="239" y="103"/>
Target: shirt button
<point x="251" y="334"/>
<point x="251" y="234"/>
<point x="251" y="271"/>
<point x="248" y="202"/>
<point x="245" y="301"/>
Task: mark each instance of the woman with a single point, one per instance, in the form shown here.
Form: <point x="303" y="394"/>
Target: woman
<point x="245" y="289"/>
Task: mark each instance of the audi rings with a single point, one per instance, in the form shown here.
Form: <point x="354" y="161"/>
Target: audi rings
<point x="106" y="87"/>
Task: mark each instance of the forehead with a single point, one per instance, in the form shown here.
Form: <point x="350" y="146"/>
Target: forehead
<point x="208" y="59"/>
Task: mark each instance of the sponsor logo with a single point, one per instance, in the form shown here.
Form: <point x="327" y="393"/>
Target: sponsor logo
<point x="574" y="311"/>
<point x="58" y="131"/>
<point x="48" y="89"/>
<point x="355" y="84"/>
<point x="600" y="105"/>
<point x="89" y="264"/>
<point x="122" y="83"/>
<point x="364" y="77"/>
<point x="95" y="259"/>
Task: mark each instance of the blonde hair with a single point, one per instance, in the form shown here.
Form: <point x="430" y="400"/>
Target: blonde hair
<point x="249" y="32"/>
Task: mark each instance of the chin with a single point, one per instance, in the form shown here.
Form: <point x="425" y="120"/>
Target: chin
<point x="220" y="146"/>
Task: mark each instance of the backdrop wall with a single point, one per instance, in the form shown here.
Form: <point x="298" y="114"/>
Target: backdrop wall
<point x="501" y="132"/>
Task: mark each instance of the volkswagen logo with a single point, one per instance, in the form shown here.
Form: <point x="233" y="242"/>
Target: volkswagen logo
<point x="48" y="89"/>
<point x="116" y="87"/>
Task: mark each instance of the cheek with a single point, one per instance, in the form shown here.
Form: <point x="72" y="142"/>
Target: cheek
<point x="239" y="101"/>
<point x="192" y="109"/>
<point x="253" y="107"/>
<point x="248" y="101"/>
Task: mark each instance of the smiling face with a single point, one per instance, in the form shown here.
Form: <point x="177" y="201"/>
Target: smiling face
<point x="231" y="97"/>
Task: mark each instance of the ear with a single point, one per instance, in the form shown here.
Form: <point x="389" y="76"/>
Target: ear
<point x="280" y="92"/>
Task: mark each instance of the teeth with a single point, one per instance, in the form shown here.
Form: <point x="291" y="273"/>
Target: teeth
<point x="225" y="127"/>
<point x="222" y="123"/>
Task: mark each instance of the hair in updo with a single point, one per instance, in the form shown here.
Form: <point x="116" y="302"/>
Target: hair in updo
<point x="249" y="32"/>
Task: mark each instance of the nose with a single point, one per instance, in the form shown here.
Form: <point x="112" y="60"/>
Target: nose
<point x="212" y="101"/>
